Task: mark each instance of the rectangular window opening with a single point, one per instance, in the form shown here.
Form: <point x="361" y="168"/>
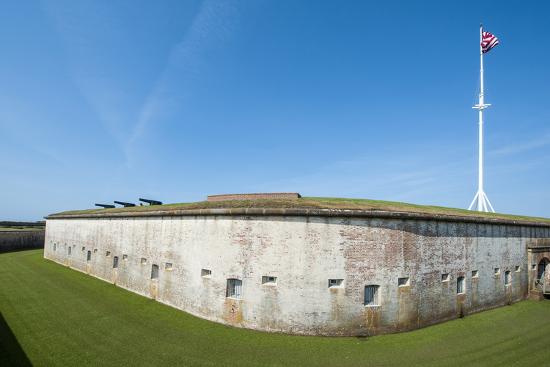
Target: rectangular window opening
<point x="69" y="250"/>
<point x="445" y="277"/>
<point x="115" y="262"/>
<point x="168" y="266"/>
<point x="154" y="271"/>
<point x="518" y="268"/>
<point x="124" y="257"/>
<point x="403" y="282"/>
<point x="234" y="288"/>
<point x="372" y="297"/>
<point x="89" y="256"/>
<point x="497" y="271"/>
<point x="143" y="261"/>
<point x="460" y="288"/>
<point x="55" y="247"/>
<point x="206" y="273"/>
<point x="267" y="279"/>
<point x="475" y="274"/>
<point x="335" y="283"/>
<point x="507" y="277"/>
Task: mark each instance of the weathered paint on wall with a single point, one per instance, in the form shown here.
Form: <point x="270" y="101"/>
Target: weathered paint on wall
<point x="304" y="252"/>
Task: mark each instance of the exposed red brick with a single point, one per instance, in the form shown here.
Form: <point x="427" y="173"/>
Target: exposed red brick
<point x="269" y="195"/>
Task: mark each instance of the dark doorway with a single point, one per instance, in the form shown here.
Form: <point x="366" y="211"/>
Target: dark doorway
<point x="154" y="271"/>
<point x="542" y="269"/>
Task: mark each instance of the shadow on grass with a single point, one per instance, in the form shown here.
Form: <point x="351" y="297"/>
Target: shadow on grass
<point x="11" y="353"/>
<point x="11" y="249"/>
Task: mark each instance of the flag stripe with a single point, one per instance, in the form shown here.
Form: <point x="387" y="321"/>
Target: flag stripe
<point x="488" y="41"/>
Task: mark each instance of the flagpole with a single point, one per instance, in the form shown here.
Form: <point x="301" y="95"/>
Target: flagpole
<point x="480" y="203"/>
<point x="483" y="203"/>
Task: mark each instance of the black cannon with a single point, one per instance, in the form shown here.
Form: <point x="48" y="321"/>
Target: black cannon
<point x="151" y="202"/>
<point x="124" y="204"/>
<point x="106" y="206"/>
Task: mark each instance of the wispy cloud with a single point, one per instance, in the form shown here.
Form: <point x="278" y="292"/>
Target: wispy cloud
<point x="213" y="24"/>
<point x="522" y="146"/>
<point x="414" y="178"/>
<point x="109" y="99"/>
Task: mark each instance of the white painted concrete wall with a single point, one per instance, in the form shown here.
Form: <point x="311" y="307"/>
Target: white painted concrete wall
<point x="303" y="253"/>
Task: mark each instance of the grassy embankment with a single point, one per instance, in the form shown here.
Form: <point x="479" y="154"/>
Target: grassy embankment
<point x="315" y="203"/>
<point x="55" y="316"/>
<point x="6" y="226"/>
<point x="21" y="228"/>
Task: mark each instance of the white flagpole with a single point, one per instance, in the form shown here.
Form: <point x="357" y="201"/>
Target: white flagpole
<point x="480" y="201"/>
<point x="483" y="203"/>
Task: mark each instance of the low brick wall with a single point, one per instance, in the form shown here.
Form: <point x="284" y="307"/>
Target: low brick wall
<point x="271" y="195"/>
<point x="21" y="240"/>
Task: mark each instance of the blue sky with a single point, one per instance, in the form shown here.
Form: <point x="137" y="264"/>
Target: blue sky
<point x="175" y="100"/>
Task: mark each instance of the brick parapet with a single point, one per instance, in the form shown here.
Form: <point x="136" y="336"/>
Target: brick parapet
<point x="256" y="196"/>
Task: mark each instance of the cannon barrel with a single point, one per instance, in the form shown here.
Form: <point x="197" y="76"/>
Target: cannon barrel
<point x="151" y="202"/>
<point x="124" y="204"/>
<point x="105" y="205"/>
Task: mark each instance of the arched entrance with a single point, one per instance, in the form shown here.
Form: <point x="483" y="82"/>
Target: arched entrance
<point x="538" y="260"/>
<point x="543" y="276"/>
<point x="541" y="271"/>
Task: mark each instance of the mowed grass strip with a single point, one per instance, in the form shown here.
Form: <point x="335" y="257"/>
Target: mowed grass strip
<point x="55" y="316"/>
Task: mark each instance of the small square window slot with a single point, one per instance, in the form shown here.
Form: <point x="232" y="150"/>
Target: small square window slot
<point x="206" y="273"/>
<point x="475" y="274"/>
<point x="335" y="283"/>
<point x="403" y="282"/>
<point x="270" y="280"/>
<point x="168" y="266"/>
<point x="445" y="277"/>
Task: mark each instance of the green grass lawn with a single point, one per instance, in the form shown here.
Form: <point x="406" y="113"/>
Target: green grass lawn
<point x="308" y="203"/>
<point x="53" y="316"/>
<point x="21" y="228"/>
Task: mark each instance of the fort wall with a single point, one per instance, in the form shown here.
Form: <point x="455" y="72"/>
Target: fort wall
<point x="305" y="274"/>
<point x="21" y="240"/>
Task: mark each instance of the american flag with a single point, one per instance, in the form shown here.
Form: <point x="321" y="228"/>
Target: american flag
<point x="488" y="41"/>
